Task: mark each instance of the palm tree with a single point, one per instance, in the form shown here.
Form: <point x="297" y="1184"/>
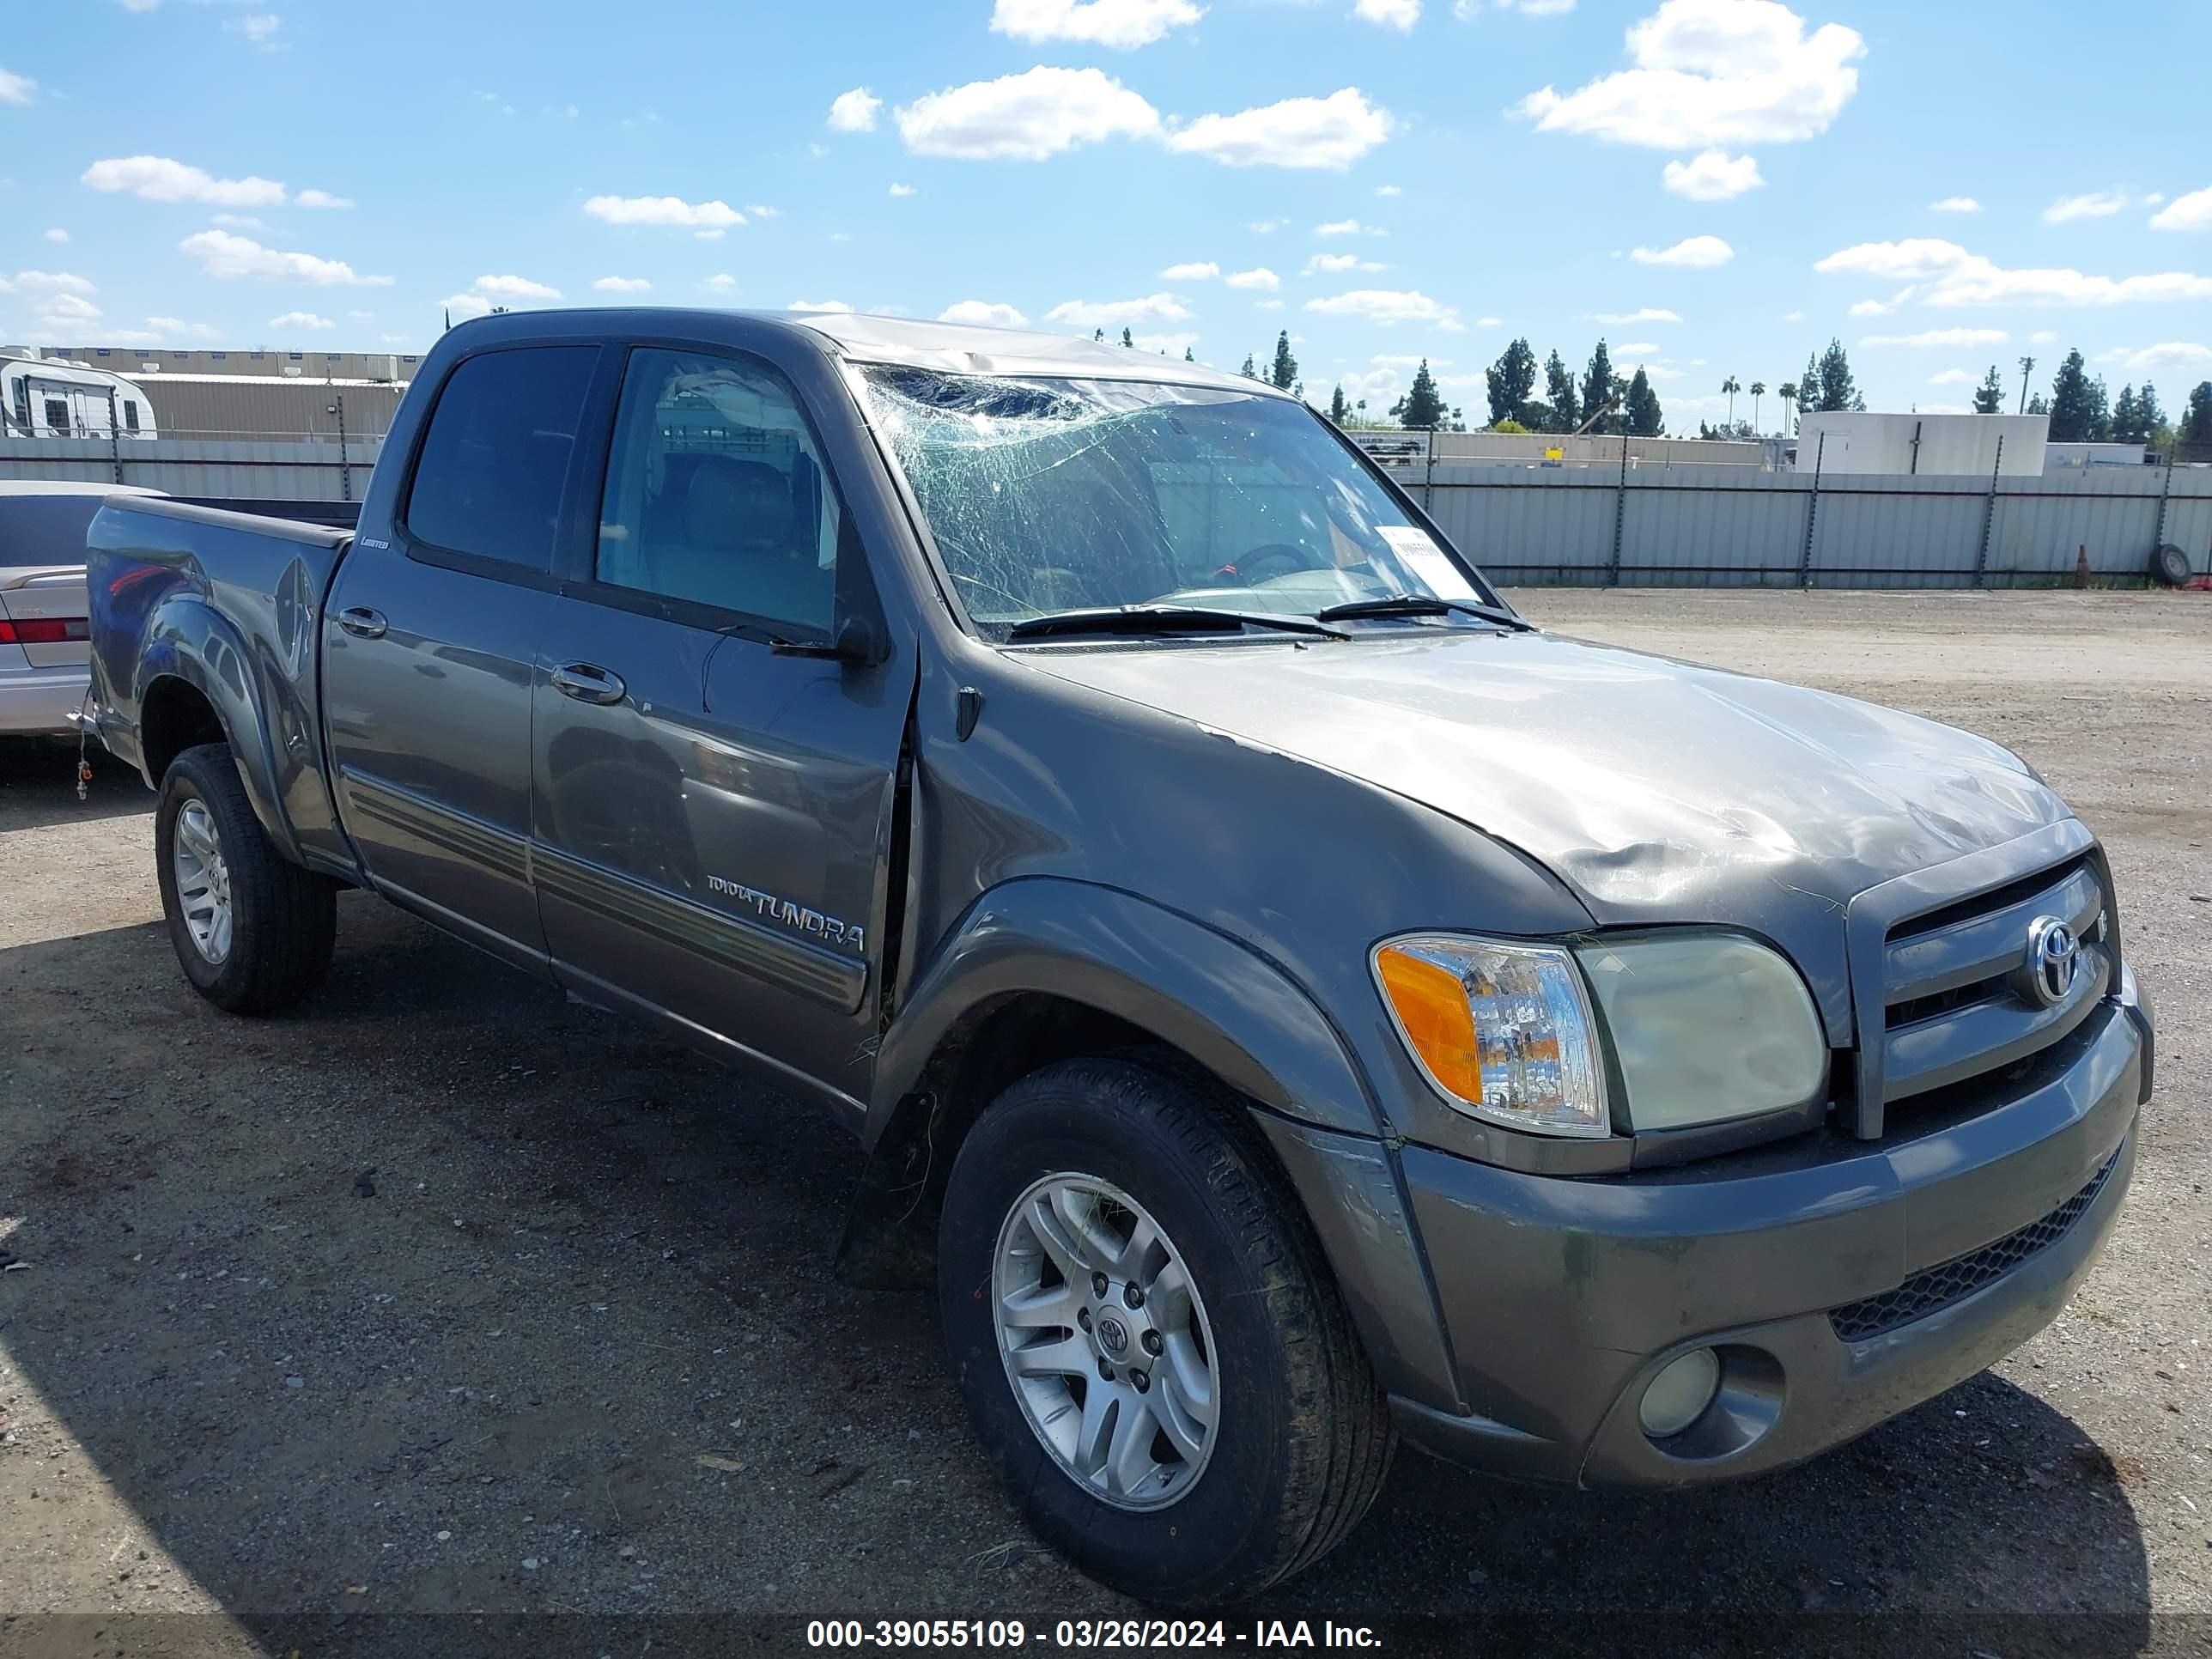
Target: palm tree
<point x="1758" y="390"/>
<point x="1731" y="387"/>
<point x="1788" y="392"/>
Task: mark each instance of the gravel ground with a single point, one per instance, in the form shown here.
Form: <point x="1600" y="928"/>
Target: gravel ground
<point x="444" y="1296"/>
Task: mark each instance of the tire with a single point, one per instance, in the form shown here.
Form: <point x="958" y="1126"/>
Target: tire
<point x="1301" y="1437"/>
<point x="282" y="920"/>
<point x="2169" y="566"/>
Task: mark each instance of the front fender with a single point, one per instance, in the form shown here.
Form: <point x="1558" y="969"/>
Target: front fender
<point x="189" y="640"/>
<point x="1220" y="1001"/>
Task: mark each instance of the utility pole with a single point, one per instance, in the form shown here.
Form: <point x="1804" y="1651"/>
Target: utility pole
<point x="2026" y="369"/>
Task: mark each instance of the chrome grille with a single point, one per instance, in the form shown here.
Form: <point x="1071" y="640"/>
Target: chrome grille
<point x="1938" y="1287"/>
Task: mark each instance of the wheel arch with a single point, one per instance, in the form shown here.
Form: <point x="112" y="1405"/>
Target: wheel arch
<point x="196" y="684"/>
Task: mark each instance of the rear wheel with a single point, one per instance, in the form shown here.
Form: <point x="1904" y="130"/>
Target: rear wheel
<point x="252" y="931"/>
<point x="1148" y="1339"/>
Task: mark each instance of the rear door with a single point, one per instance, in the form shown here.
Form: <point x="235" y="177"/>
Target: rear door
<point x="430" y="640"/>
<point x="711" y="811"/>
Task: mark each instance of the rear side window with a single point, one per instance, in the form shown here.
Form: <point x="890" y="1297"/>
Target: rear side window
<point x="488" y="480"/>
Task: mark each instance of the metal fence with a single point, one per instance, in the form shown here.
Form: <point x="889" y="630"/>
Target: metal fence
<point x="1528" y="526"/>
<point x="1524" y="524"/>
<point x="313" y="470"/>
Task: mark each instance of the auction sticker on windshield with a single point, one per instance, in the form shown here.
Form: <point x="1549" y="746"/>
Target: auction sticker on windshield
<point x="1421" y="555"/>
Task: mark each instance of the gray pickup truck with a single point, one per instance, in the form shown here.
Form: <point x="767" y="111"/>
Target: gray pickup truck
<point x="1288" y="1002"/>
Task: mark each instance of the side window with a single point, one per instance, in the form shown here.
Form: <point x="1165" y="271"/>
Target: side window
<point x="58" y="414"/>
<point x="716" y="494"/>
<point x="488" y="479"/>
<point x="131" y="413"/>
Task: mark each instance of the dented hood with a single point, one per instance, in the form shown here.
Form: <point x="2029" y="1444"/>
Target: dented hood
<point x="1657" y="790"/>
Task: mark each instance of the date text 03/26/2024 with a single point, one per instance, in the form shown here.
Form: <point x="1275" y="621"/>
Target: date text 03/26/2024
<point x="1087" y="1634"/>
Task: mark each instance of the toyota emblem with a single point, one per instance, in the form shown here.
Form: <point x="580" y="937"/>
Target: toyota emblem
<point x="1113" y="1336"/>
<point x="2054" y="956"/>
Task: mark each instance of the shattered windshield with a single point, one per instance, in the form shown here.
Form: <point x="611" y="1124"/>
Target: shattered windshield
<point x="1050" y="495"/>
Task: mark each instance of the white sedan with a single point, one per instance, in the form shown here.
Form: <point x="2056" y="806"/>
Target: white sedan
<point x="44" y="655"/>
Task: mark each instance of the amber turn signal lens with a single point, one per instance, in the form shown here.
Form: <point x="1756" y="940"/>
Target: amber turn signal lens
<point x="1432" y="1005"/>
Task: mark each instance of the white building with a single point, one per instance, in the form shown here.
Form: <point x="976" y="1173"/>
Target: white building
<point x="1935" y="445"/>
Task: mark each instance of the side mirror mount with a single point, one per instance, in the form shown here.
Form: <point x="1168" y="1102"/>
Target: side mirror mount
<point x="858" y="642"/>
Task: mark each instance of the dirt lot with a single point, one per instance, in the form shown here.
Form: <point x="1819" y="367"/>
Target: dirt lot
<point x="443" y="1295"/>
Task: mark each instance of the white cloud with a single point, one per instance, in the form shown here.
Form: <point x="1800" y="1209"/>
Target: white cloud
<point x="1321" y="263"/>
<point x="362" y="316"/>
<point x="2095" y="205"/>
<point x="1713" y="175"/>
<point x="722" y="282"/>
<point x="1955" y="205"/>
<point x="466" y="305"/>
<point x="56" y="234"/>
<point x="1386" y="306"/>
<point x="1171" y="344"/>
<point x="2043" y="337"/>
<point x="35" y="284"/>
<point x="2181" y="354"/>
<point x="1025" y="117"/>
<point x="984" y="312"/>
<point x="1266" y="305"/>
<point x="1266" y="226"/>
<point x="170" y="327"/>
<point x="514" y="288"/>
<point x="1122" y="24"/>
<point x="837" y="305"/>
<point x="900" y="189"/>
<point x="1196" y="270"/>
<point x="1947" y="337"/>
<point x="258" y="27"/>
<point x="321" y="199"/>
<point x="1389" y="189"/>
<point x="237" y="221"/>
<point x="1636" y="348"/>
<point x="1298" y="132"/>
<point x="1793" y="317"/>
<point x="301" y="319"/>
<point x="17" y="88"/>
<point x="760" y="212"/>
<point x="1399" y="14"/>
<point x="1692" y="253"/>
<point x="1954" y="276"/>
<point x="1713" y="72"/>
<point x="854" y="111"/>
<point x="1105" y="313"/>
<point x="662" y="210"/>
<point x="1348" y="227"/>
<point x="1465" y="10"/>
<point x="158" y="178"/>
<point x="2189" y="212"/>
<point x="1871" y="309"/>
<point x="1259" y="277"/>
<point x="222" y="254"/>
<point x="1647" y="314"/>
<point x="1956" y="377"/>
<point x="65" y="309"/>
<point x="622" y="284"/>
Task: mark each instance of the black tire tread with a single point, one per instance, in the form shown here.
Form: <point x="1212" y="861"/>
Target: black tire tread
<point x="287" y="916"/>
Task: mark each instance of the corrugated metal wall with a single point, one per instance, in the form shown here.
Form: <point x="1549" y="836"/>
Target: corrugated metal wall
<point x="1523" y="525"/>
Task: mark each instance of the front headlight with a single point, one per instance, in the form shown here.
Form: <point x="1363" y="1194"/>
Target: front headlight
<point x="1503" y="1031"/>
<point x="1705" y="1027"/>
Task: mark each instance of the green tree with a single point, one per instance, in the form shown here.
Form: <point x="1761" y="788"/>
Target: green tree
<point x="1339" y="410"/>
<point x="1598" y="392"/>
<point x="2038" y="404"/>
<point x="2196" y="423"/>
<point x="1286" y="370"/>
<point x="2124" y="418"/>
<point x="1788" y="392"/>
<point x="1838" y="390"/>
<point x="1509" y="424"/>
<point x="1099" y="335"/>
<point x="2149" y="416"/>
<point x="1126" y="340"/>
<point x="1729" y="387"/>
<point x="1643" y="416"/>
<point x="1988" y="396"/>
<point x="1511" y="378"/>
<point x="1250" y="371"/>
<point x="2073" y="408"/>
<point x="2100" y="411"/>
<point x="1565" y="408"/>
<point x="1421" y="406"/>
<point x="1758" y="390"/>
<point x="1808" y="389"/>
<point x="1187" y="355"/>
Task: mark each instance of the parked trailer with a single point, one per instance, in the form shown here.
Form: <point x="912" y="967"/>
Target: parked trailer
<point x="59" y="397"/>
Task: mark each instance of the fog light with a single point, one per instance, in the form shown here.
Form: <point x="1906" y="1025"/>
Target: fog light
<point x="1679" y="1395"/>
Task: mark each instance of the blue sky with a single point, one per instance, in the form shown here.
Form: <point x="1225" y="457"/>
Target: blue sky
<point x="1717" y="187"/>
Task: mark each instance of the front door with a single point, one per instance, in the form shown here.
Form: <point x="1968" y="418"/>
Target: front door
<point x="429" y="640"/>
<point x="713" y="812"/>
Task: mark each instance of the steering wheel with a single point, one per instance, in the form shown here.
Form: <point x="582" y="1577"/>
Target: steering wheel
<point x="1271" y="559"/>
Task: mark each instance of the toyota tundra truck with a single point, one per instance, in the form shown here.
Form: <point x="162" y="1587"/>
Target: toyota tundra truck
<point x="1289" y="1002"/>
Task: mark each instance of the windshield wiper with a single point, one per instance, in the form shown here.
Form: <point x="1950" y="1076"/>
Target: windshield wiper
<point x="1421" y="605"/>
<point x="1161" y="619"/>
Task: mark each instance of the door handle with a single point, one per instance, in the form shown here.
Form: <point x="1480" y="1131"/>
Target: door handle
<point x="360" y="621"/>
<point x="588" y="683"/>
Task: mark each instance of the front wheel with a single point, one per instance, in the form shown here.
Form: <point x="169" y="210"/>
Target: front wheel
<point x="1148" y="1339"/>
<point x="253" y="932"/>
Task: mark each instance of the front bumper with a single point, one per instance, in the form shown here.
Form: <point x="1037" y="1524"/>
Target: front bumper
<point x="1555" y="1302"/>
<point x="41" y="701"/>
